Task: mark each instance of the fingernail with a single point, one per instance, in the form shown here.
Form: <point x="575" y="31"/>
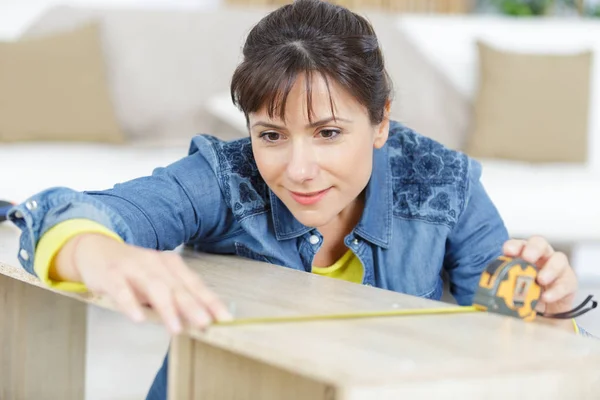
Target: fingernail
<point x="224" y="316"/>
<point x="175" y="326"/>
<point x="137" y="316"/>
<point x="202" y="318"/>
<point x="548" y="297"/>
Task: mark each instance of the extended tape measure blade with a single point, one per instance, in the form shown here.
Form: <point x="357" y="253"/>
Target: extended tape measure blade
<point x="329" y="317"/>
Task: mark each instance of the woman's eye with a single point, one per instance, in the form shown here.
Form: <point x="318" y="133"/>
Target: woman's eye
<point x="329" y="133"/>
<point x="270" y="136"/>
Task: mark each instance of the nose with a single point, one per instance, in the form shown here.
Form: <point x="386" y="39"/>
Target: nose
<point x="302" y="165"/>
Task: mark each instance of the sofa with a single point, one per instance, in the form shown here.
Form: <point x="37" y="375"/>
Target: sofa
<point x="168" y="70"/>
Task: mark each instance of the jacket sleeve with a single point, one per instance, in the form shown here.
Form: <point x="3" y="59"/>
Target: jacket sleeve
<point x="175" y="204"/>
<point x="475" y="240"/>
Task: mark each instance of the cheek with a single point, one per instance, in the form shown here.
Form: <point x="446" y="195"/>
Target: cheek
<point x="351" y="163"/>
<point x="268" y="164"/>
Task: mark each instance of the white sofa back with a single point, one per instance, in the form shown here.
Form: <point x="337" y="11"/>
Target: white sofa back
<point x="163" y="65"/>
<point x="448" y="44"/>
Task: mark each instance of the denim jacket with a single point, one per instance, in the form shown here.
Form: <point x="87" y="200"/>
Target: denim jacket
<point x="426" y="214"/>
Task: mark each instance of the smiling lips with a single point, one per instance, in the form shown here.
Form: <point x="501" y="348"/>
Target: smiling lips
<point x="307" y="199"/>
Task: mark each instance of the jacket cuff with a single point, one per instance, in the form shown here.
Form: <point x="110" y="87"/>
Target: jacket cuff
<point x="54" y="239"/>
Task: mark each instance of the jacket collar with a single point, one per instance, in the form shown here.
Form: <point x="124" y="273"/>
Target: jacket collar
<point x="375" y="224"/>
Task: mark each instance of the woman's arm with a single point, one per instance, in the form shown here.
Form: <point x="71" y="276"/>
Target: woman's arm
<point x="480" y="236"/>
<point x="476" y="239"/>
<point x="174" y="205"/>
<point x="74" y="240"/>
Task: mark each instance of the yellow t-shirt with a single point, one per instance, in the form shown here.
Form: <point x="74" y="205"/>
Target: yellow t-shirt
<point x="347" y="268"/>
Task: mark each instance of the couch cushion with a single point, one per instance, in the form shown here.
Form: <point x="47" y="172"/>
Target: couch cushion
<point x="164" y="64"/>
<point x="531" y="107"/>
<point x="54" y="88"/>
<point x="449" y="45"/>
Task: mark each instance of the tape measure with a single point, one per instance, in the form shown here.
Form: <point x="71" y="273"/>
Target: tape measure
<point x="507" y="286"/>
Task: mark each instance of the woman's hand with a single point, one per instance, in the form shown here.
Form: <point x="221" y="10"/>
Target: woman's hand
<point x="132" y="276"/>
<point x="556" y="277"/>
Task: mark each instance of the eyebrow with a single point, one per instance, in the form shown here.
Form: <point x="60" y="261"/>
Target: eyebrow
<point x="311" y="125"/>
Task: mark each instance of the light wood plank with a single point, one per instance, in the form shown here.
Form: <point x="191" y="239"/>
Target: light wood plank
<point x="42" y="343"/>
<point x="223" y="375"/>
<point x="181" y="368"/>
<point x="387" y="355"/>
<point x="468" y="355"/>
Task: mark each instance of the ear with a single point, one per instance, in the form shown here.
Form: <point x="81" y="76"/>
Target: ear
<point x="383" y="128"/>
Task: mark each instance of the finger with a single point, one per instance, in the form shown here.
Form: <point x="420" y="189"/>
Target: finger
<point x="563" y="287"/>
<point x="198" y="289"/>
<point x="553" y="268"/>
<point x="188" y="285"/>
<point x="540" y="306"/>
<point x="513" y="247"/>
<point x="537" y="251"/>
<point x="190" y="309"/>
<point x="160" y="297"/>
<point x="124" y="297"/>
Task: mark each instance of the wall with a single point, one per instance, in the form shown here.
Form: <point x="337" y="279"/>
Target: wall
<point x="16" y="15"/>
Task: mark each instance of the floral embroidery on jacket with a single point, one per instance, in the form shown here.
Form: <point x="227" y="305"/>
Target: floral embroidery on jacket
<point x="429" y="180"/>
<point x="237" y="169"/>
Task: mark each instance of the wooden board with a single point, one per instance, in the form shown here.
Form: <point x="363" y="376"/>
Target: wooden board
<point x="474" y="356"/>
<point x="220" y="374"/>
<point x="42" y="343"/>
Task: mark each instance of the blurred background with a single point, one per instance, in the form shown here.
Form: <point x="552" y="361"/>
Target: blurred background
<point x="95" y="92"/>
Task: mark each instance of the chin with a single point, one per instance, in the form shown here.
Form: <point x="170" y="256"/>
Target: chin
<point x="313" y="219"/>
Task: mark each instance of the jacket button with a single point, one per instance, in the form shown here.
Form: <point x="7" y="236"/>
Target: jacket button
<point x="314" y="239"/>
<point x="24" y="254"/>
<point x="31" y="205"/>
<point x="355" y="242"/>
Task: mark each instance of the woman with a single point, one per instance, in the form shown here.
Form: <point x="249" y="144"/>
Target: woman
<point x="325" y="183"/>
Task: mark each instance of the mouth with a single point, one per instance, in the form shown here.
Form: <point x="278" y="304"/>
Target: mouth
<point x="309" y="198"/>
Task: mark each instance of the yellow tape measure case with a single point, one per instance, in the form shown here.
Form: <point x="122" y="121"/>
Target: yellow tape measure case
<point x="508" y="286"/>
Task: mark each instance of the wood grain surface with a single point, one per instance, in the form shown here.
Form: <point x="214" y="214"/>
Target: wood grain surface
<point x="42" y="343"/>
<point x="417" y="355"/>
<point x="476" y="355"/>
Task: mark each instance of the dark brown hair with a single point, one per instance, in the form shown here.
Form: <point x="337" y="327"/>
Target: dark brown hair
<point x="310" y="36"/>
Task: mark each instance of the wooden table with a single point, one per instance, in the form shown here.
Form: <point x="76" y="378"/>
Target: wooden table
<point x="466" y="356"/>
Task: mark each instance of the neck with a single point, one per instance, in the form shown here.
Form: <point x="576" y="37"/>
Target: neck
<point x="336" y="230"/>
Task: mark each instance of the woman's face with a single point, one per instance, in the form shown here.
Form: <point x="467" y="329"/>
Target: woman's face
<point x="317" y="170"/>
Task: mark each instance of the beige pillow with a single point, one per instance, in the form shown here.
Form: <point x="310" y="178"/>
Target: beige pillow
<point x="54" y="88"/>
<point x="531" y="107"/>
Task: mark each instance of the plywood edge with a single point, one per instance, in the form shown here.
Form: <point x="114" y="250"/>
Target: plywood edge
<point x="220" y="374"/>
<point x="20" y="275"/>
<point x="43" y="343"/>
<point x="551" y="384"/>
<point x="181" y="368"/>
